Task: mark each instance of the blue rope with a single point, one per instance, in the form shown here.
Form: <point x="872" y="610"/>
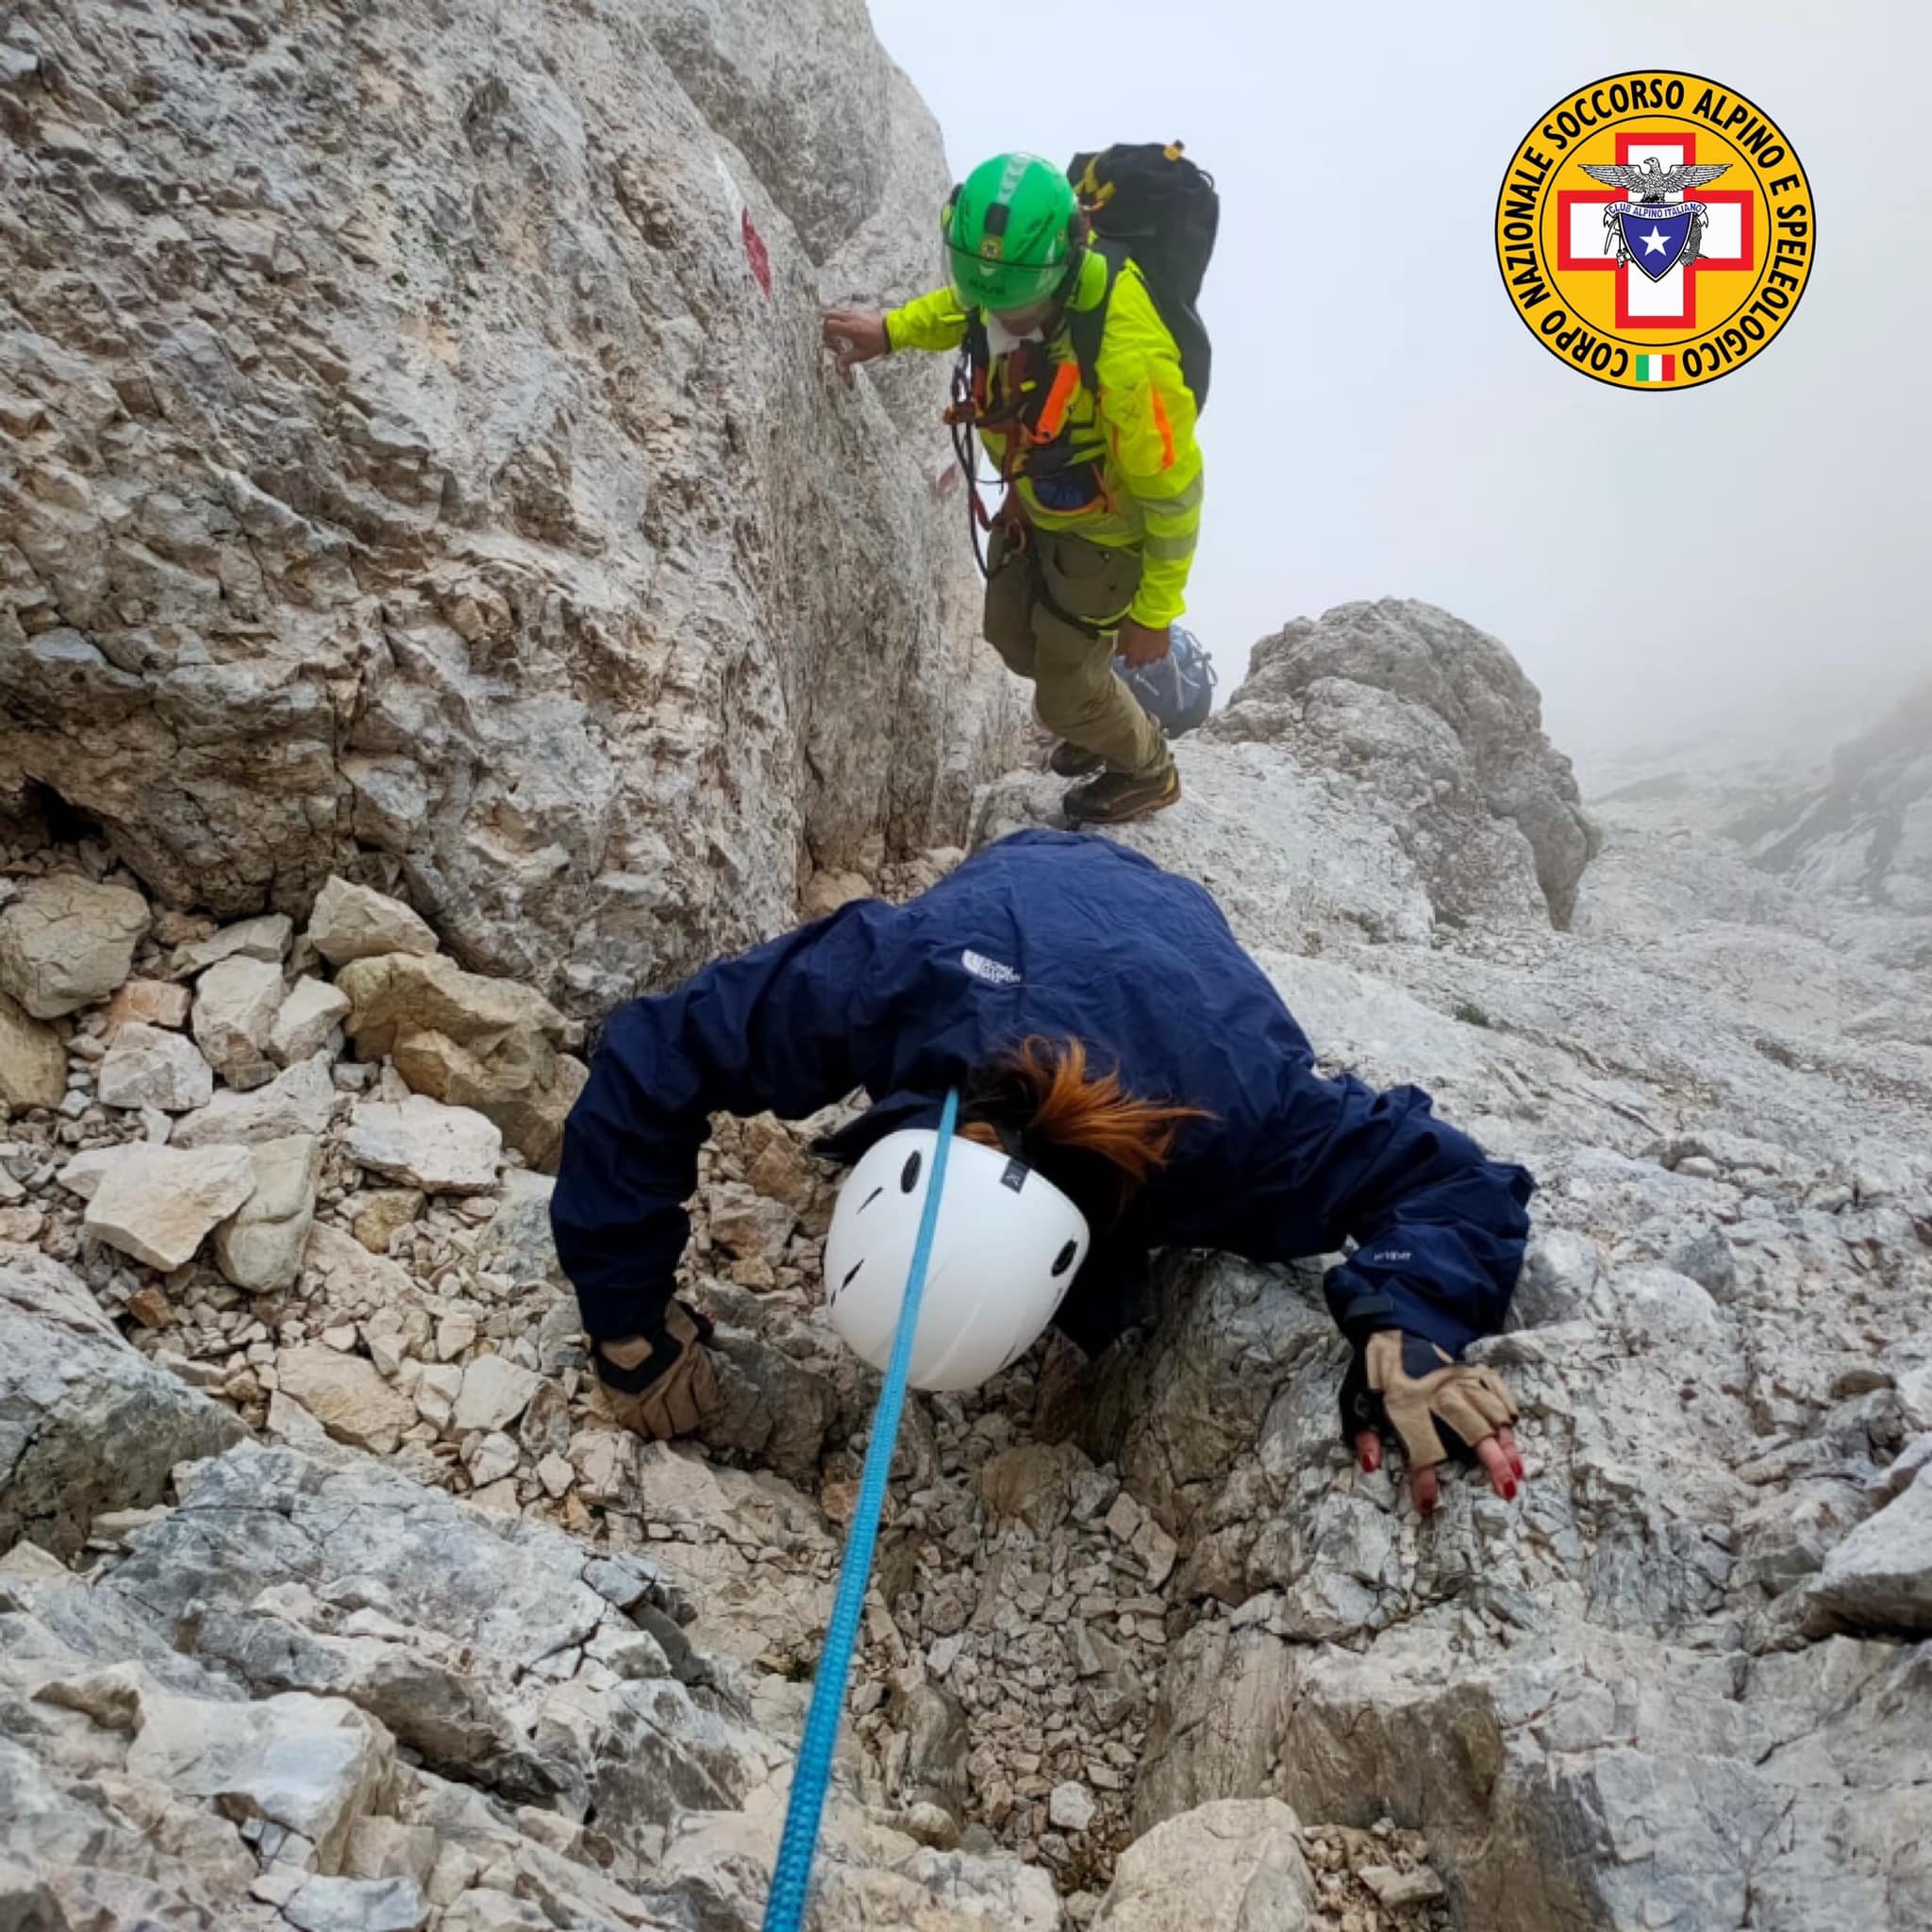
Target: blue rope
<point x="785" y="1907"/>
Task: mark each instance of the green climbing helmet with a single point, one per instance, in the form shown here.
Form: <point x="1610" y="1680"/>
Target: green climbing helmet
<point x="1010" y="231"/>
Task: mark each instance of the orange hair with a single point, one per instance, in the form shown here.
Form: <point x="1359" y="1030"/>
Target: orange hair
<point x="1042" y="1091"/>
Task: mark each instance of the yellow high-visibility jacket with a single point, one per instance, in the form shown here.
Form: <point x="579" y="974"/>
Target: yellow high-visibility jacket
<point x="1139" y="427"/>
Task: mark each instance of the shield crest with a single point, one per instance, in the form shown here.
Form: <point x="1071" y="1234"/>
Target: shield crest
<point x="1656" y="235"/>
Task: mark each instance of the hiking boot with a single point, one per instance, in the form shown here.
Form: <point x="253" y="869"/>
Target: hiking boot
<point x="1113" y="798"/>
<point x="1071" y="760"/>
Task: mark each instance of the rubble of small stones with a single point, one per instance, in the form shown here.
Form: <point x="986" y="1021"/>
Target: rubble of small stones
<point x="379" y="1282"/>
<point x="340" y="1265"/>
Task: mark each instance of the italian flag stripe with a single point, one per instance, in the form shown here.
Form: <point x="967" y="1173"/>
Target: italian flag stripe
<point x="1657" y="369"/>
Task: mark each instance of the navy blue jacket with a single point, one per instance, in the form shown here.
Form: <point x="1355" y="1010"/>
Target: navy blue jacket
<point x="1059" y="935"/>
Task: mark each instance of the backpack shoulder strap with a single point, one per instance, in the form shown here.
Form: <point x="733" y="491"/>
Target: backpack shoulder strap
<point x="1088" y="326"/>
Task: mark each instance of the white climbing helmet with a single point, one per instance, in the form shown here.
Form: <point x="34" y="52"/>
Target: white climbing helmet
<point x="1008" y="1247"/>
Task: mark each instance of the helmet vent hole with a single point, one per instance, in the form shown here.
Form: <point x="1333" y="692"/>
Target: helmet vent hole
<point x="909" y="1175"/>
<point x="851" y="1273"/>
<point x="1064" y="1259"/>
<point x="870" y="1199"/>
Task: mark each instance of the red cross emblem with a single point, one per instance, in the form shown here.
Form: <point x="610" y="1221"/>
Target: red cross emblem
<point x="1671" y="302"/>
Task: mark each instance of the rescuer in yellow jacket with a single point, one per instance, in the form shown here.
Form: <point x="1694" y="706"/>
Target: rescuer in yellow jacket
<point x="1090" y="554"/>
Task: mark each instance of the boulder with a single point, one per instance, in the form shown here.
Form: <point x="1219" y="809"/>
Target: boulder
<point x="299" y="1100"/>
<point x="84" y="1173"/>
<point x="149" y="1066"/>
<point x="33" y="1062"/>
<point x="1879" y="1578"/>
<point x="1293" y="862"/>
<point x="159" y="1204"/>
<point x="1437" y="718"/>
<point x="266" y="938"/>
<point x="261" y="1247"/>
<point x="443" y="1150"/>
<point x="748" y="1225"/>
<point x="1233" y="1866"/>
<point x="67" y="941"/>
<point x="350" y="922"/>
<point x="86" y="1424"/>
<point x="151" y="1001"/>
<point x="307" y="1021"/>
<point x="346" y="1395"/>
<point x="471" y="1041"/>
<point x="235" y="1007"/>
<point x="520" y="1082"/>
<point x="494" y="1392"/>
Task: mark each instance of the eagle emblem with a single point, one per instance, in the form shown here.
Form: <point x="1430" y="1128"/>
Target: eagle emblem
<point x="1649" y="230"/>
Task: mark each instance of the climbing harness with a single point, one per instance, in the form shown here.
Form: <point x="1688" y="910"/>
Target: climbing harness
<point x="792" y="1874"/>
<point x="1149" y="203"/>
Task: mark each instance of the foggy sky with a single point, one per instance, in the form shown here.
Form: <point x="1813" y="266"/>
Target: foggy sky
<point x="1381" y="421"/>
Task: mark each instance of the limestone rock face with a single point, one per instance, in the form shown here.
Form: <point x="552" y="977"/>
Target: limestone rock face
<point x="419" y="482"/>
<point x="1864" y="829"/>
<point x="85" y="1423"/>
<point x="1670" y="1682"/>
<point x="443" y="483"/>
<point x="313" y="1694"/>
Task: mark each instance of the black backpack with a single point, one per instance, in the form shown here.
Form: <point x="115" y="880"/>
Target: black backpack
<point x="1148" y="202"/>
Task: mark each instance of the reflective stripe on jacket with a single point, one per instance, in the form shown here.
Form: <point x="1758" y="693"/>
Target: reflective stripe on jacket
<point x="1140" y="430"/>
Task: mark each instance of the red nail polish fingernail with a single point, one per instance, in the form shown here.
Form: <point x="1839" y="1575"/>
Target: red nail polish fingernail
<point x="1517" y="1465"/>
<point x="1509" y="1492"/>
<point x="1368" y="1465"/>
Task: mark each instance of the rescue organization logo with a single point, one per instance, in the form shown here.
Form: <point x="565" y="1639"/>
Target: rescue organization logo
<point x="1654" y="230"/>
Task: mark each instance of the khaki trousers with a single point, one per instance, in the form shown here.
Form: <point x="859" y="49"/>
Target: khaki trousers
<point x="1074" y="690"/>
